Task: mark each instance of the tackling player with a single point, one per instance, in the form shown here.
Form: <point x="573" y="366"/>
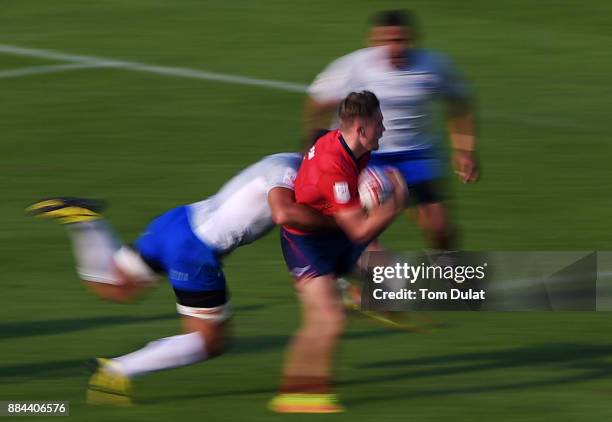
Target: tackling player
<point x="407" y="80"/>
<point x="186" y="244"/>
<point x="327" y="182"/>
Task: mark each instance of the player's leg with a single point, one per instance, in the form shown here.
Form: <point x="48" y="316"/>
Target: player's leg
<point x="427" y="192"/>
<point x="305" y="386"/>
<point x="376" y="256"/>
<point x="202" y="339"/>
<point x="373" y="255"/>
<point x="312" y="348"/>
<point x="130" y="277"/>
<point x="314" y="261"/>
<point x="204" y="317"/>
<point x="110" y="270"/>
<point x="424" y="172"/>
<point x="202" y="301"/>
<point x="205" y="331"/>
<point x="434" y="221"/>
<point x="126" y="292"/>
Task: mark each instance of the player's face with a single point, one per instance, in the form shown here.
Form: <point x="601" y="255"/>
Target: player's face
<point x="372" y="131"/>
<point x="397" y="38"/>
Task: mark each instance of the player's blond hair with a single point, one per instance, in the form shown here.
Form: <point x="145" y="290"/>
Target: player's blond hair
<point x="362" y="104"/>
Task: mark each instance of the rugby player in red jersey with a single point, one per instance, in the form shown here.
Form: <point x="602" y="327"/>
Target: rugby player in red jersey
<point x="327" y="181"/>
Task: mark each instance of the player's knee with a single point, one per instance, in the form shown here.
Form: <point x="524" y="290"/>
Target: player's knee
<point x="433" y="218"/>
<point x="123" y="293"/>
<point x="215" y="334"/>
<point x="337" y="324"/>
<point x="440" y="228"/>
<point x="222" y="341"/>
<point x="217" y="347"/>
<point x="329" y="321"/>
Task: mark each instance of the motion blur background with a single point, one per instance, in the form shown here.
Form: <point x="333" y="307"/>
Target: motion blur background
<point x="149" y="139"/>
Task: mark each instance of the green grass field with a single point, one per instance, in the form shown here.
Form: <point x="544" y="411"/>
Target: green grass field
<point x="147" y="142"/>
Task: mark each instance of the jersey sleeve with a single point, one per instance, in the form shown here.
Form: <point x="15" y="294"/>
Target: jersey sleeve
<point x="333" y="83"/>
<point x="453" y="83"/>
<point x="281" y="176"/>
<point x="340" y="191"/>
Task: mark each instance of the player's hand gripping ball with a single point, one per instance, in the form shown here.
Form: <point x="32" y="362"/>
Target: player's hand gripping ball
<point x="375" y="186"/>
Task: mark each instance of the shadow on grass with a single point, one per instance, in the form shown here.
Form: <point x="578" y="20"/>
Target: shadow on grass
<point x="414" y="392"/>
<point x="46" y="327"/>
<point x="553" y="353"/>
<point x="69" y="368"/>
<point x="569" y="363"/>
<point x="59" y="326"/>
<point x="265" y="343"/>
<point x="589" y="360"/>
<point x="52" y="369"/>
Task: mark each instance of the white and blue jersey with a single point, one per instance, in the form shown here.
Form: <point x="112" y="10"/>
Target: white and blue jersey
<point x="239" y="213"/>
<point x="187" y="242"/>
<point x="407" y="99"/>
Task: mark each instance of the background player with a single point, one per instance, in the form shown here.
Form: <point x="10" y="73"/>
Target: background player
<point x="407" y="80"/>
<point x="186" y="243"/>
<point x="327" y="182"/>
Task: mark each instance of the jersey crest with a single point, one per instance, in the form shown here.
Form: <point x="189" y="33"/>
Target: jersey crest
<point x="289" y="177"/>
<point x="341" y="192"/>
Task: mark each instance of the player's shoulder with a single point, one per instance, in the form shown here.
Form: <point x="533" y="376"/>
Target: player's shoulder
<point x="432" y="59"/>
<point x="355" y="58"/>
<point x="368" y="53"/>
<point x="289" y="158"/>
<point x="280" y="170"/>
<point x="331" y="157"/>
<point x="325" y="146"/>
<point x="271" y="167"/>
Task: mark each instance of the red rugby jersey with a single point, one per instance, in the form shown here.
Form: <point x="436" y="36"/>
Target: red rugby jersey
<point x="328" y="176"/>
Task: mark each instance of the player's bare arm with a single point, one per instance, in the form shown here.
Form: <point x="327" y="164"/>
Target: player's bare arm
<point x="462" y="132"/>
<point x="362" y="227"/>
<point x="287" y="212"/>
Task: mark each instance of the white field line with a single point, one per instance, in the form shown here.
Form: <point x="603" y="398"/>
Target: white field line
<point x="39" y="70"/>
<point x="179" y="72"/>
<point x="513" y="284"/>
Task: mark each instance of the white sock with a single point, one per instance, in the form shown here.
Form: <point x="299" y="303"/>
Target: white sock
<point x="93" y="245"/>
<point x="165" y="353"/>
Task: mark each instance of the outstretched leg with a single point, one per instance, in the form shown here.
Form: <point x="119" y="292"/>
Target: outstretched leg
<point x="110" y="270"/>
<point x="204" y="338"/>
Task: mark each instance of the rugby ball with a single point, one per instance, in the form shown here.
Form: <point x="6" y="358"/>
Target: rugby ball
<point x="375" y="186"/>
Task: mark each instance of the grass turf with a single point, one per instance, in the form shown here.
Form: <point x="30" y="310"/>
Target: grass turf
<point x="147" y="142"/>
